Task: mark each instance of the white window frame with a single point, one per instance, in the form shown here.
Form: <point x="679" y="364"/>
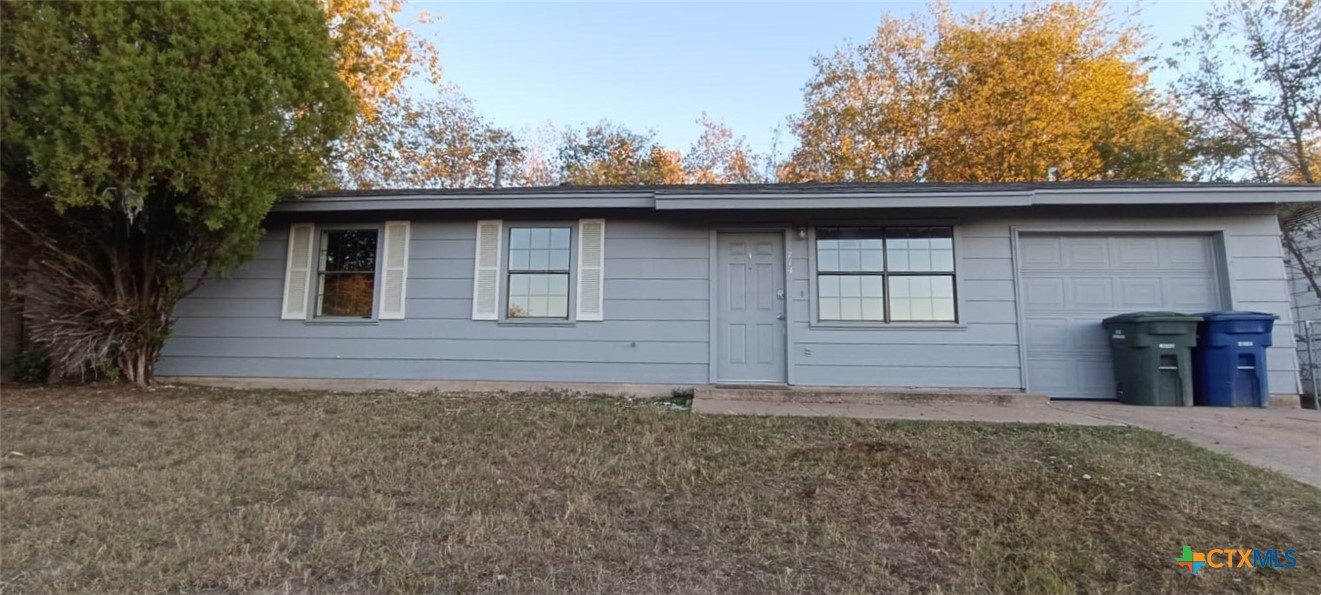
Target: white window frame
<point x="316" y="272"/>
<point x="571" y="315"/>
<point x="814" y="306"/>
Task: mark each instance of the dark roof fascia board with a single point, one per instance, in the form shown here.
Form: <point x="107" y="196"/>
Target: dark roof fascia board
<point x="829" y="199"/>
<point x="838" y="200"/>
<point x="1169" y="196"/>
<point x="629" y="200"/>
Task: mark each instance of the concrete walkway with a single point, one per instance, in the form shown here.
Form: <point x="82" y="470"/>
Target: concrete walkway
<point x="1284" y="440"/>
<point x="933" y="410"/>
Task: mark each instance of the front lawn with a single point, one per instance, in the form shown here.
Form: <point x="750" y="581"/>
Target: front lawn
<point x="109" y="489"/>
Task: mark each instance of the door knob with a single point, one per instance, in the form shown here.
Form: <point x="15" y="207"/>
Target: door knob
<point x="779" y="316"/>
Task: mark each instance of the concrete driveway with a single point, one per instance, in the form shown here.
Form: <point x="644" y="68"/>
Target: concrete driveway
<point x="1285" y="440"/>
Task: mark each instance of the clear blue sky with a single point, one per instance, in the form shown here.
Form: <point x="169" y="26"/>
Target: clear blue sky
<point x="659" y="65"/>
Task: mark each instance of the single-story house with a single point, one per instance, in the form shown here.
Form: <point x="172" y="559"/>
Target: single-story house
<point x="993" y="286"/>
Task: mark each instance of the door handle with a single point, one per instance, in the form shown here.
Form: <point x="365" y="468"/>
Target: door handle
<point x="779" y="316"/>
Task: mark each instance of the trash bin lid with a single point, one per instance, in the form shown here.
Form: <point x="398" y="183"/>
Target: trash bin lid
<point x="1237" y="315"/>
<point x="1153" y="317"/>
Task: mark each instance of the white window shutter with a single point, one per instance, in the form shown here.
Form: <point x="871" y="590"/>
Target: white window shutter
<point x="394" y="275"/>
<point x="486" y="270"/>
<point x="298" y="271"/>
<point x="591" y="269"/>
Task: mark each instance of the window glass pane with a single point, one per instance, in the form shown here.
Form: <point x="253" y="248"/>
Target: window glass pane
<point x="518" y="284"/>
<point x="557" y="306"/>
<point x="559" y="260"/>
<point x="538" y="295"/>
<point x="346" y="283"/>
<point x="873" y="308"/>
<point x="920" y="249"/>
<point x="558" y="285"/>
<point x="922" y="298"/>
<point x="347" y="294"/>
<point x="919" y="260"/>
<point x="539" y="260"/>
<point x="850" y="249"/>
<point x="942" y="260"/>
<point x="851" y="297"/>
<point x="943" y="309"/>
<point x="850" y="286"/>
<point x="559" y="238"/>
<point x="518" y="260"/>
<point x="873" y="261"/>
<point x="829" y="308"/>
<point x="540" y="238"/>
<point x="519" y="238"/>
<point x="348" y="250"/>
<point x="827" y="260"/>
<point x="828" y="285"/>
<point x="873" y="286"/>
<point x="898" y="260"/>
<point x="536" y="306"/>
<point x="850" y="260"/>
<point x="538" y="285"/>
<point x="850" y="309"/>
<point x="539" y="249"/>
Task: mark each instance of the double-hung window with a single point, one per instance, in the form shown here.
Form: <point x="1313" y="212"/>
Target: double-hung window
<point x="346" y="273"/>
<point x="885" y="274"/>
<point x="539" y="272"/>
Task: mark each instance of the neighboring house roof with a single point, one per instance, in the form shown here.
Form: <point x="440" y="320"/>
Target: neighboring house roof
<point x="801" y="196"/>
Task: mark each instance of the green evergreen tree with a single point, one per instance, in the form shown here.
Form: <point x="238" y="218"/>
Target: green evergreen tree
<point x="143" y="144"/>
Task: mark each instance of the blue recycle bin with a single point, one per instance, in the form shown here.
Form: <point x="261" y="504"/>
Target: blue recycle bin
<point x="1229" y="362"/>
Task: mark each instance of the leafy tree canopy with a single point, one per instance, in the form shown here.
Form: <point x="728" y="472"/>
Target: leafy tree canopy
<point x="994" y="96"/>
<point x="144" y="141"/>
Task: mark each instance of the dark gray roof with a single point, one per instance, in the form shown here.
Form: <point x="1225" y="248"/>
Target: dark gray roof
<point x="815" y="196"/>
<point x="802" y="188"/>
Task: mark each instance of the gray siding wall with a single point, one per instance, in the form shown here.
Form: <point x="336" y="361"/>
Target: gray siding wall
<point x="656" y="327"/>
<point x="982" y="351"/>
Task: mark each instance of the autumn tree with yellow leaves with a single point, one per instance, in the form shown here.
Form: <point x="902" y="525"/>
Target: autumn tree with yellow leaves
<point x="437" y="139"/>
<point x="996" y="96"/>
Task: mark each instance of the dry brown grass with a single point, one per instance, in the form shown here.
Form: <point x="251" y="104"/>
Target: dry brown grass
<point x="210" y="490"/>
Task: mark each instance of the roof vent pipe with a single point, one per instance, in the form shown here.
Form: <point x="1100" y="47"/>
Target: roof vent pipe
<point x="499" y="171"/>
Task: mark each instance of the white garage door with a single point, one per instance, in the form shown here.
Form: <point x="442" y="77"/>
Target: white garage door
<point x="1071" y="282"/>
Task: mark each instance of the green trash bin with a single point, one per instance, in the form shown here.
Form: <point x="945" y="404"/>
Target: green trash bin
<point x="1152" y="354"/>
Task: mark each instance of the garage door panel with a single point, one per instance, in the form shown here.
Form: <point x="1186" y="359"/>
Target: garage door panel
<point x="1193" y="295"/>
<point x="1059" y="376"/>
<point x="1092" y="253"/>
<point x="1047" y="333"/>
<point x="1139" y="294"/>
<point x="1071" y="282"/>
<point x="1093" y="292"/>
<point x="1190" y="252"/>
<point x="1044" y="293"/>
<point x="1041" y="252"/>
<point x="1095" y="376"/>
<point x="1134" y="252"/>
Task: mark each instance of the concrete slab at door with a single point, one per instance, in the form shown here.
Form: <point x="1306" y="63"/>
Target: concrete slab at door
<point x="750" y="313"/>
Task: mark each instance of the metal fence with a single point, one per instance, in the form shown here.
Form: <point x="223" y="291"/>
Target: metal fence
<point x="1308" y="335"/>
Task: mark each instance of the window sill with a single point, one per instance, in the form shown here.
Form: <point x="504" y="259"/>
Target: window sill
<point x="537" y="323"/>
<point x="889" y="326"/>
<point x="342" y="322"/>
